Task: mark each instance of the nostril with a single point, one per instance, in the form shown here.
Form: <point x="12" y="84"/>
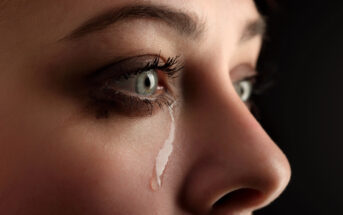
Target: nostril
<point x="240" y="198"/>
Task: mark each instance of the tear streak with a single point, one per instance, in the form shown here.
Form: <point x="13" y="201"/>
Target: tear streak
<point x="163" y="155"/>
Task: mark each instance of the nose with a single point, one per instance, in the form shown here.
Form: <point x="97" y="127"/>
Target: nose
<point x="234" y="166"/>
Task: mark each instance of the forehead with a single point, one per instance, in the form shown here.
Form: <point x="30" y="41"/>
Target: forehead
<point x="84" y="7"/>
<point x="58" y="18"/>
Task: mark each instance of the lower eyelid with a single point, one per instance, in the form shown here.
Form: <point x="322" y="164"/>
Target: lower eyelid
<point x="122" y="104"/>
<point x="108" y="100"/>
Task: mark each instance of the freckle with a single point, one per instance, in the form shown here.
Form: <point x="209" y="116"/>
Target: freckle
<point x="163" y="155"/>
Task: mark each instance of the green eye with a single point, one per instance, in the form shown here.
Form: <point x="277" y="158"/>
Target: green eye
<point x="143" y="84"/>
<point x="146" y="83"/>
<point x="134" y="86"/>
<point x="244" y="89"/>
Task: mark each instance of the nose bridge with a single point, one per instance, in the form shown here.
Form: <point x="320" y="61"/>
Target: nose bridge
<point x="233" y="151"/>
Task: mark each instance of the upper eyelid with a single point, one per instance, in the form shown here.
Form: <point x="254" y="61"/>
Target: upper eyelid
<point x="120" y="67"/>
<point x="136" y="64"/>
<point x="243" y="71"/>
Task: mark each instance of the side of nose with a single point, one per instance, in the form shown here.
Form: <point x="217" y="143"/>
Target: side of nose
<point x="234" y="166"/>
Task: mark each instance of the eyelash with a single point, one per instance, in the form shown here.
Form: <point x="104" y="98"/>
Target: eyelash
<point x="107" y="99"/>
<point x="171" y="67"/>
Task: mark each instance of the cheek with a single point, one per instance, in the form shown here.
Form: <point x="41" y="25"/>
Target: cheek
<point x="87" y="165"/>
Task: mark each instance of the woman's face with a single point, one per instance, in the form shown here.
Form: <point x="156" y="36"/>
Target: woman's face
<point x="132" y="107"/>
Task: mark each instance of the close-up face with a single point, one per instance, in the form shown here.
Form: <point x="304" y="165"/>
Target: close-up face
<point x="133" y="107"/>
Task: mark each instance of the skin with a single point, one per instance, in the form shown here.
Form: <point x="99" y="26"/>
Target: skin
<point x="57" y="157"/>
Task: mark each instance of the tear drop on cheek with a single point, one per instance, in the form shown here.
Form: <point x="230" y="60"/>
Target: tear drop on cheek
<point x="163" y="155"/>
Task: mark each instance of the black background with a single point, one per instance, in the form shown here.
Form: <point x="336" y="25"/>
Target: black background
<point x="303" y="111"/>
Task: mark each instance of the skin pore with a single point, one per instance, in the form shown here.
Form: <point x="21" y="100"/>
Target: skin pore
<point x="73" y="141"/>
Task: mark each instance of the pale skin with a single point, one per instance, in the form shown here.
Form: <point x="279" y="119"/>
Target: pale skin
<point x="58" y="156"/>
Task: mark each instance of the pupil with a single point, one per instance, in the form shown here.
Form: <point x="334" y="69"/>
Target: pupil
<point x="147" y="82"/>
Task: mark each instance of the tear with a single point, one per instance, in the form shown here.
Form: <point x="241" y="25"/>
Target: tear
<point x="164" y="154"/>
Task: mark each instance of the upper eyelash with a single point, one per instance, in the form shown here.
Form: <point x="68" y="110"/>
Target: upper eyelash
<point x="170" y="67"/>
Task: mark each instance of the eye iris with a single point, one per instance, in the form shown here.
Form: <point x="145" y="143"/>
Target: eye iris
<point x="243" y="89"/>
<point x="147" y="82"/>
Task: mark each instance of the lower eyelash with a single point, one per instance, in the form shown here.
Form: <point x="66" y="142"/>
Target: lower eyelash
<point x="133" y="106"/>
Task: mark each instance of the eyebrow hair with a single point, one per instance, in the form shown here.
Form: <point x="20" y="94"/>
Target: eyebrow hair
<point x="254" y="28"/>
<point x="184" y="23"/>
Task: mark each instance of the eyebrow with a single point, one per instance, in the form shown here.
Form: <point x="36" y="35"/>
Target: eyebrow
<point x="254" y="28"/>
<point x="185" y="23"/>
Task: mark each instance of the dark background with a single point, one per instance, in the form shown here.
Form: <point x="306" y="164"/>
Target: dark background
<point x="303" y="111"/>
